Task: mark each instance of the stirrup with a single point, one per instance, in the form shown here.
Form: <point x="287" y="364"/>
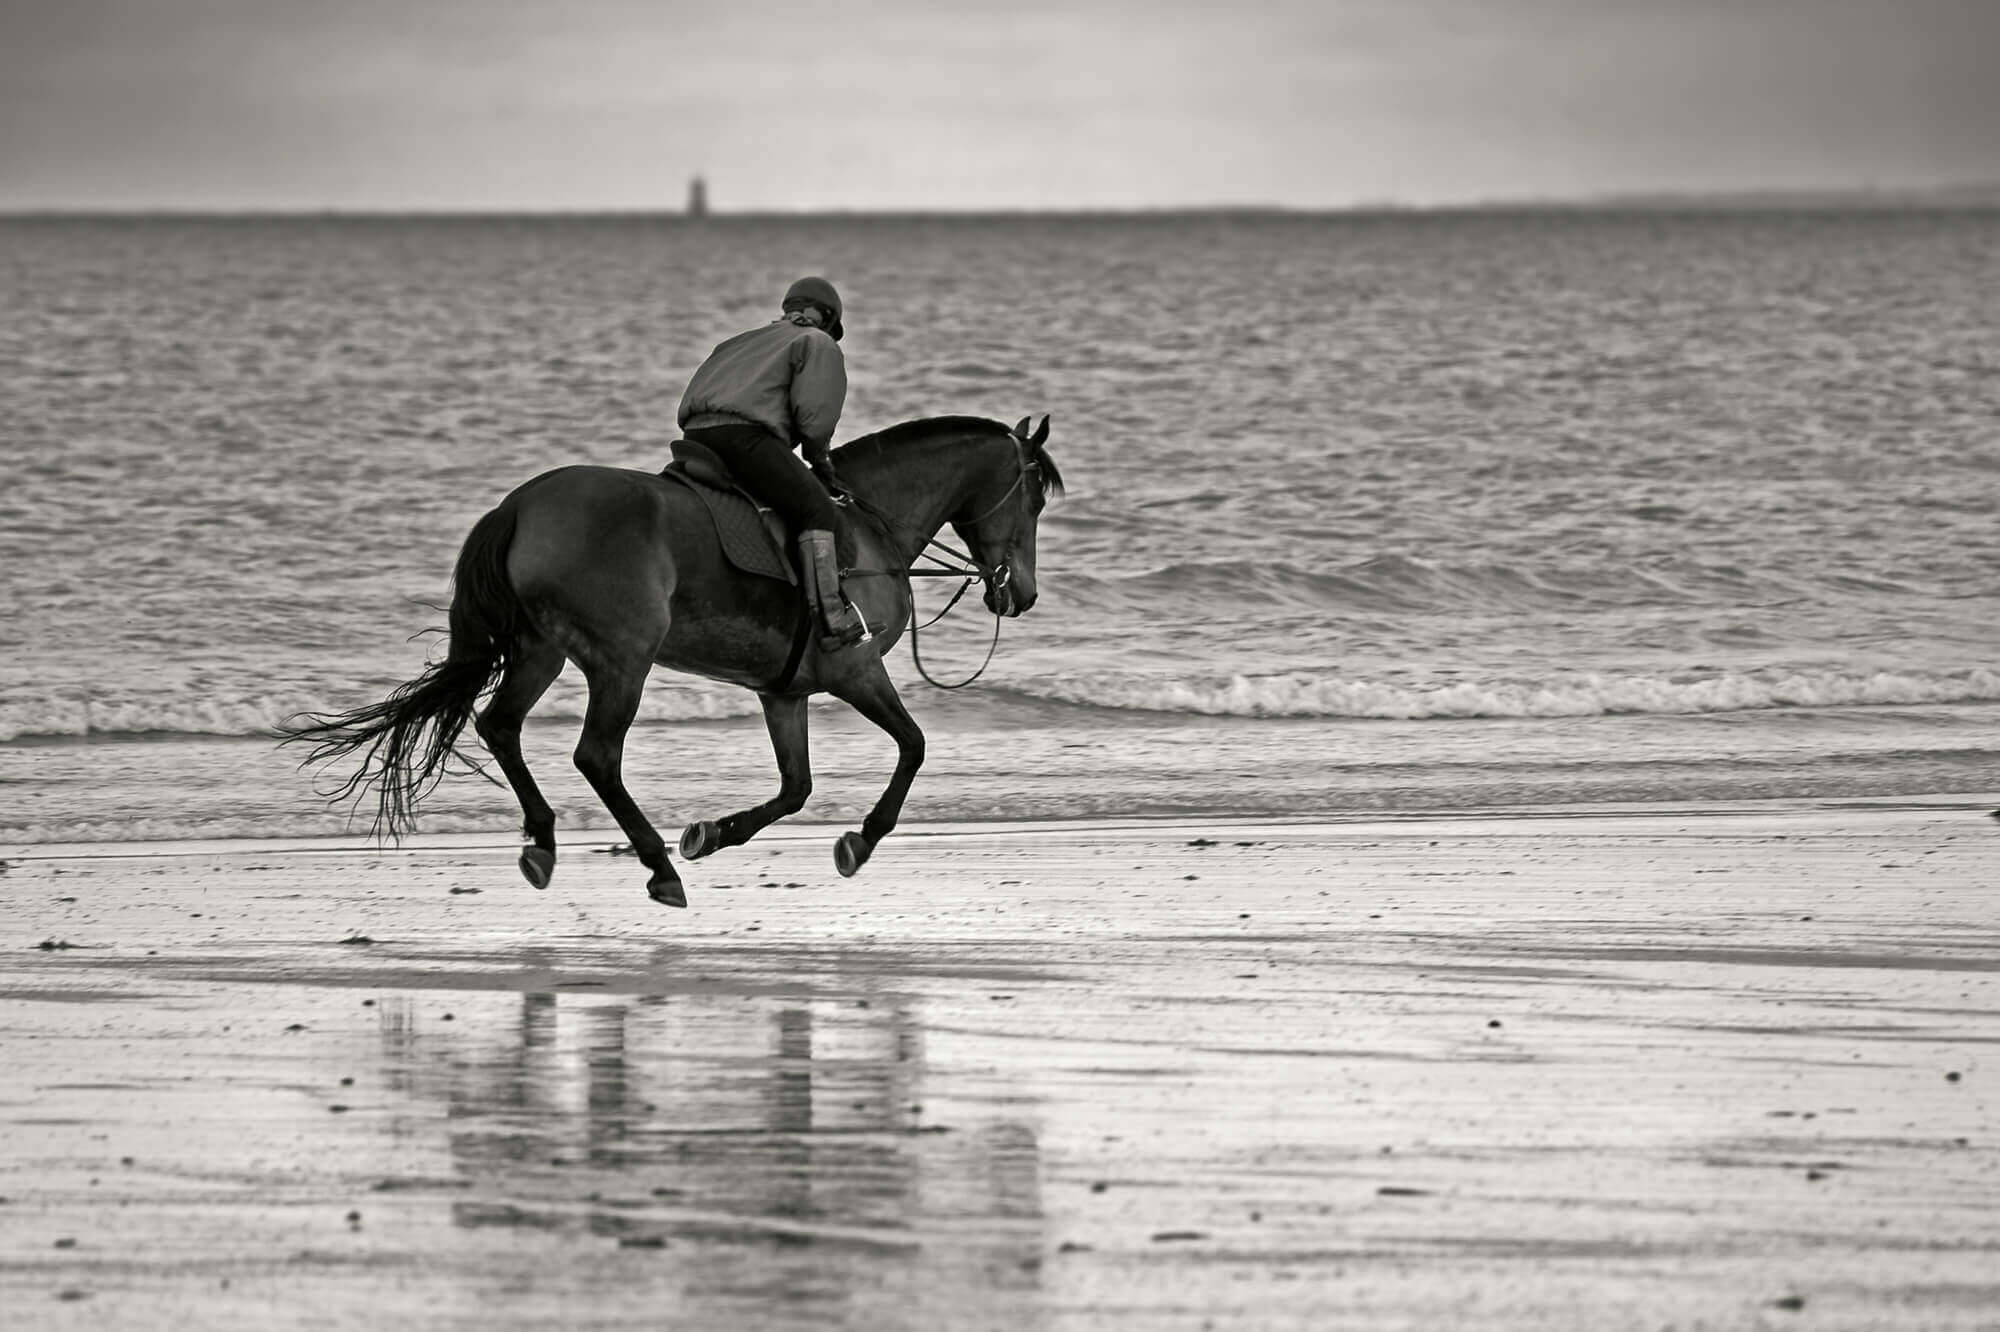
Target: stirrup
<point x="846" y="629"/>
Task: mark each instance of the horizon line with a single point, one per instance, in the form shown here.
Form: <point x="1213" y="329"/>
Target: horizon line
<point x="1827" y="205"/>
<point x="1950" y="194"/>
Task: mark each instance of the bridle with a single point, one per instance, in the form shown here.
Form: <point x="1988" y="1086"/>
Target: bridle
<point x="996" y="577"/>
<point x="1001" y="573"/>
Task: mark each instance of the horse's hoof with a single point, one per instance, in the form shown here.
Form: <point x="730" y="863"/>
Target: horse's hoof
<point x="538" y="865"/>
<point x="700" y="839"/>
<point x="666" y="890"/>
<point x="850" y="853"/>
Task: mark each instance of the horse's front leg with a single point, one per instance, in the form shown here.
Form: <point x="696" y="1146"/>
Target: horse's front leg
<point x="600" y="754"/>
<point x="785" y="719"/>
<point x="870" y="692"/>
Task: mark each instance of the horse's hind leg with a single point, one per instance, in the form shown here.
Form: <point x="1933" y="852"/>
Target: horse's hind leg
<point x="785" y="719"/>
<point x="532" y="666"/>
<point x="872" y="694"/>
<point x="600" y="754"/>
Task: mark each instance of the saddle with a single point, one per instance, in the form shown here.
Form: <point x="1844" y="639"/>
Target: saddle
<point x="755" y="538"/>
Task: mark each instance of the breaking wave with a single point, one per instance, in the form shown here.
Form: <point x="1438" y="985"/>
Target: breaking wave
<point x="1296" y="694"/>
<point x="70" y="717"/>
<point x="1309" y="695"/>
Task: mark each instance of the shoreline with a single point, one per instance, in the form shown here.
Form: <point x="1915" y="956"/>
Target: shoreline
<point x="803" y="828"/>
<point x="1005" y="767"/>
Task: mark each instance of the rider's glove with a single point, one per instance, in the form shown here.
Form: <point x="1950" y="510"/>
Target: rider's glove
<point x="822" y="467"/>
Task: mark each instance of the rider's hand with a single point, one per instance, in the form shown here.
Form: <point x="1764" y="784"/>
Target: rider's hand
<point x="823" y="469"/>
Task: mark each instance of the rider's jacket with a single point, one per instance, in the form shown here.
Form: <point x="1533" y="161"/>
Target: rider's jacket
<point x="789" y="377"/>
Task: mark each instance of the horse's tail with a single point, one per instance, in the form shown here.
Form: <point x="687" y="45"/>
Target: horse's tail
<point x="410" y="737"/>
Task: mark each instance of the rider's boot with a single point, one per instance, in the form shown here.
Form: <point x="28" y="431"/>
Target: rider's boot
<point x="844" y="625"/>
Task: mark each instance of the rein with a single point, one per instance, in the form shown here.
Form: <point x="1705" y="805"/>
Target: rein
<point x="918" y="657"/>
<point x="965" y="585"/>
<point x="967" y="573"/>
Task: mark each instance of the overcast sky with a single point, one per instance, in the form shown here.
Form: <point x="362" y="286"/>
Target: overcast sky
<point x="915" y="104"/>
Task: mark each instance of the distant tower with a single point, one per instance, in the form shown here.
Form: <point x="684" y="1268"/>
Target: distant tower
<point x="697" y="197"/>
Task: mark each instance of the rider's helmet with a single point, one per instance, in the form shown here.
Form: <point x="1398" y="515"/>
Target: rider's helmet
<point x="818" y="293"/>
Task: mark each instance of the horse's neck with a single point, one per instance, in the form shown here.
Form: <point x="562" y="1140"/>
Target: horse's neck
<point x="916" y="488"/>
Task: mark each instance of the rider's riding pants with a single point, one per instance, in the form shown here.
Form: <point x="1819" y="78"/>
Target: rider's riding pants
<point x="766" y="466"/>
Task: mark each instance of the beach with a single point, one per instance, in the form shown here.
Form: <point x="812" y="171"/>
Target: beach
<point x="1642" y="1066"/>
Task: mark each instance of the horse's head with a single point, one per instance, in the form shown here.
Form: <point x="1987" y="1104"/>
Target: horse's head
<point x="998" y="520"/>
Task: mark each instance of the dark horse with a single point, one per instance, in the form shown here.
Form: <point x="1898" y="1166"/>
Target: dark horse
<point x="617" y="570"/>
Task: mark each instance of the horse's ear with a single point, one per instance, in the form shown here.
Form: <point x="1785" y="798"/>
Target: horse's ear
<point x="1041" y="434"/>
<point x="1021" y="430"/>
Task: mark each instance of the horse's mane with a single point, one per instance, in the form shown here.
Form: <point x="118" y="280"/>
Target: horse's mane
<point x="910" y="432"/>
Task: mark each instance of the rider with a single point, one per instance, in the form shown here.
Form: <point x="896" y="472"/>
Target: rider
<point x="755" y="396"/>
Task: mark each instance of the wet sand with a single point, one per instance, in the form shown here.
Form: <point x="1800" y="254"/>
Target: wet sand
<point x="1709" y="1067"/>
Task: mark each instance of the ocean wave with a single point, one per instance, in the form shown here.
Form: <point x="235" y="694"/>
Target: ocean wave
<point x="73" y="718"/>
<point x="1308" y="695"/>
<point x="285" y="826"/>
<point x="1292" y="694"/>
<point x="977" y="370"/>
<point x="1398" y="582"/>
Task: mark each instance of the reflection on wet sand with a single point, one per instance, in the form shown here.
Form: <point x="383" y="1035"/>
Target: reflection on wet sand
<point x="776" y="1146"/>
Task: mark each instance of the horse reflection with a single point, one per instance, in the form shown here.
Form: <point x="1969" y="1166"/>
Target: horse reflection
<point x="785" y="1136"/>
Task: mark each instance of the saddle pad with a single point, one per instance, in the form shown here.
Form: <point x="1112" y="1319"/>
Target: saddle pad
<point x="752" y="537"/>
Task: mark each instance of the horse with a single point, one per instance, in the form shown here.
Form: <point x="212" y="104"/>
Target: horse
<point x="619" y="570"/>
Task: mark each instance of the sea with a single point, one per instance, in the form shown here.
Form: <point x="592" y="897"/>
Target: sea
<point x="1404" y="512"/>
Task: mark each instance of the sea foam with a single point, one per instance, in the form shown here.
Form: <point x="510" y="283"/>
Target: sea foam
<point x="1305" y="695"/>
